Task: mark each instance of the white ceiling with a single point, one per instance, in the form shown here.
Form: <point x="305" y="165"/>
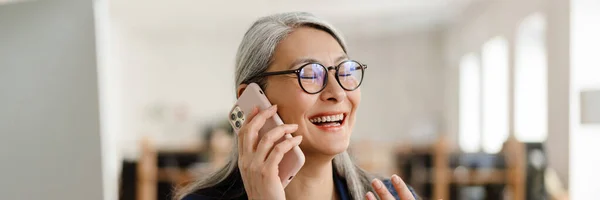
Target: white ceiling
<point x="3" y="2"/>
<point x="360" y="16"/>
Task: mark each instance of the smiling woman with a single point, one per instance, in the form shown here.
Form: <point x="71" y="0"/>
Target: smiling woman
<point x="302" y="65"/>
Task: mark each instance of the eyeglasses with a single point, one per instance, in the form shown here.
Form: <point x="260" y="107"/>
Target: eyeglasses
<point x="312" y="77"/>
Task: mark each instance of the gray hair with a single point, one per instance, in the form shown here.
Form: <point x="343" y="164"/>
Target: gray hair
<point x="253" y="58"/>
<point x="255" y="52"/>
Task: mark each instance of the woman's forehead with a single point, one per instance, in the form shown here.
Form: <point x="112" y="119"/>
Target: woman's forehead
<point x="307" y="44"/>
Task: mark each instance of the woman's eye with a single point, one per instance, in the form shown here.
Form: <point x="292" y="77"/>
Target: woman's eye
<point x="308" y="77"/>
<point x="344" y="75"/>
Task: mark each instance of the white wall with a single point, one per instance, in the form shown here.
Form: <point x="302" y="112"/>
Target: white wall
<point x="488" y="19"/>
<point x="49" y="123"/>
<point x="402" y="96"/>
<point x="110" y="95"/>
<point x="163" y="70"/>
<point x="559" y="70"/>
<point x="585" y="75"/>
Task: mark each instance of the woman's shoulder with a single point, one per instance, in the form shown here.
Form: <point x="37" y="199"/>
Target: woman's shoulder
<point x="388" y="184"/>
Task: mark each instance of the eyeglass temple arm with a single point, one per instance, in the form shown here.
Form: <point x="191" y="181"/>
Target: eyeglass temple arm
<point x="364" y="67"/>
<point x="279" y="72"/>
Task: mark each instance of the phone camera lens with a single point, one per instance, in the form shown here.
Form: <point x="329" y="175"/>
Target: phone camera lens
<point x="238" y="124"/>
<point x="233" y="117"/>
<point x="239" y="114"/>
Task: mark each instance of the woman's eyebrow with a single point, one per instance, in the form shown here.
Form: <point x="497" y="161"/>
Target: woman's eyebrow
<point x="302" y="61"/>
<point x="341" y="58"/>
<point x="312" y="60"/>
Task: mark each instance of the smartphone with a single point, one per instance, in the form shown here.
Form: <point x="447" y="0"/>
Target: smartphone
<point x="252" y="97"/>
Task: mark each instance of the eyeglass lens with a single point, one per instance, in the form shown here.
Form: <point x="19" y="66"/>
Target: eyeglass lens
<point x="313" y="76"/>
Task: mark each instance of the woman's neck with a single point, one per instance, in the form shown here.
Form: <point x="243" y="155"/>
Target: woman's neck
<point x="313" y="181"/>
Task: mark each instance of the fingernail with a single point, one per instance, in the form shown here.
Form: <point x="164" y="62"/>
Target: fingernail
<point x="370" y="195"/>
<point x="274" y="107"/>
<point x="290" y="127"/>
<point x="377" y="184"/>
<point x="396" y="179"/>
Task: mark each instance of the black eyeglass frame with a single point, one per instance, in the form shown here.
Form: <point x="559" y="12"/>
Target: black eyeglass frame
<point x="326" y="80"/>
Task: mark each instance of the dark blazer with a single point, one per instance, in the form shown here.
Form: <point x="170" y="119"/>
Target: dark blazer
<point x="233" y="189"/>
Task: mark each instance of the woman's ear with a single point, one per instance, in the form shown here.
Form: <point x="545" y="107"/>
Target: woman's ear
<point x="241" y="89"/>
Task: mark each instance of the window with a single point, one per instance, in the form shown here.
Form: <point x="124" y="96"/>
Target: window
<point x="494" y="57"/>
<point x="470" y="106"/>
<point x="530" y="117"/>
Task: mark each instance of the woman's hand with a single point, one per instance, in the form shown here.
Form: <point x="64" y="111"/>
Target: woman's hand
<point x="403" y="191"/>
<point x="258" y="160"/>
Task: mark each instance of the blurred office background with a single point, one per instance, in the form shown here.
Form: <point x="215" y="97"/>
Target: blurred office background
<point x="465" y="99"/>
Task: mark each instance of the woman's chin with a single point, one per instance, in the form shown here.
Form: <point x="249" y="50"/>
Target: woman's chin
<point x="332" y="148"/>
<point x="327" y="142"/>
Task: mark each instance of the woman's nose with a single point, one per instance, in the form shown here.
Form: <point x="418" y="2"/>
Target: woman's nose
<point x="333" y="91"/>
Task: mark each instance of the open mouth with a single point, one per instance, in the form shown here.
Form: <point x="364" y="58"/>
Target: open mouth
<point x="328" y="120"/>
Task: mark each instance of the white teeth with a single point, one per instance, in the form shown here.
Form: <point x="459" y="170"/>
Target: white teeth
<point x="330" y="118"/>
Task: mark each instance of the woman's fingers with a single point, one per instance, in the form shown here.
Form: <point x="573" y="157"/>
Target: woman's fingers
<point x="251" y="128"/>
<point x="403" y="191"/>
<point x="268" y="140"/>
<point x="381" y="190"/>
<point x="251" y="115"/>
<point x="241" y="134"/>
<point x="280" y="149"/>
<point x="259" y="119"/>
